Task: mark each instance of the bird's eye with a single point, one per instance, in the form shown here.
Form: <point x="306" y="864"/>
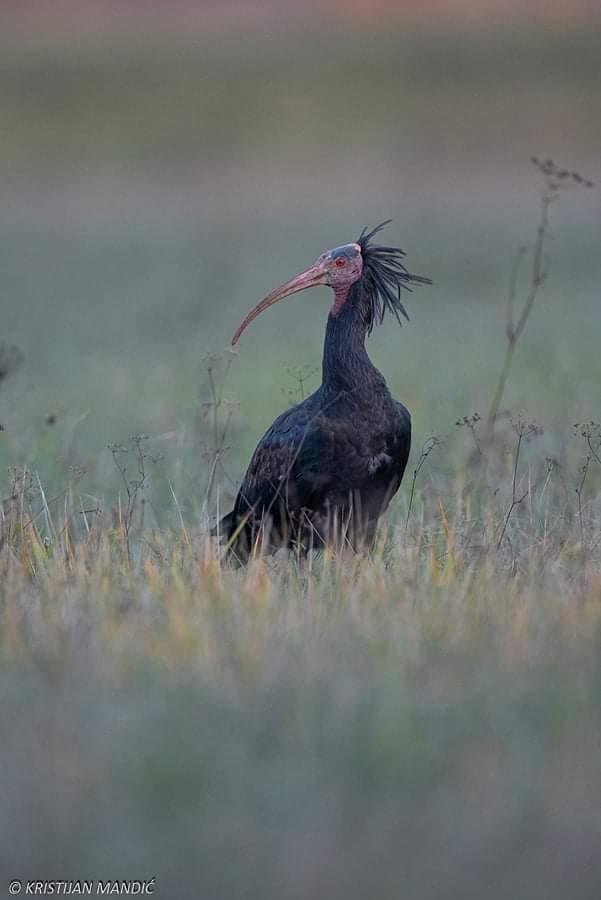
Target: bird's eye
<point x="340" y="261"/>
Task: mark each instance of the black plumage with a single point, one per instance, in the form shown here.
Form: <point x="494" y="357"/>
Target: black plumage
<point x="327" y="468"/>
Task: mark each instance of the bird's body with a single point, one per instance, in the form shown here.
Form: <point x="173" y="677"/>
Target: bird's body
<point x="327" y="468"/>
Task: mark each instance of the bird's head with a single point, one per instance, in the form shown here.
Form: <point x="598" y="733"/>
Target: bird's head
<point x="377" y="272"/>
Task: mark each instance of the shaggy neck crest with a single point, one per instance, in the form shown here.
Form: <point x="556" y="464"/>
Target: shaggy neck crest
<point x="378" y="291"/>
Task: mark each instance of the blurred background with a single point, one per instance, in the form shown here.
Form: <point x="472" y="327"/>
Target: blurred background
<point x="164" y="165"/>
<point x="263" y="734"/>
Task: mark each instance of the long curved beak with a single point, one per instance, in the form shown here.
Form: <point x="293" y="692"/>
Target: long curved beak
<point x="312" y="277"/>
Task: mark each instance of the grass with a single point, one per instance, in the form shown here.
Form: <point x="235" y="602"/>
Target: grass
<point x="424" y="723"/>
<point x="154" y="193"/>
<point x="323" y="729"/>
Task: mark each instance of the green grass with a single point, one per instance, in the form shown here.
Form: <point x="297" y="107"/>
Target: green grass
<point x="155" y="192"/>
<point x="424" y="723"/>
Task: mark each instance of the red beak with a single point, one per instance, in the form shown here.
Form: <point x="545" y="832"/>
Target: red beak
<point x="312" y="277"/>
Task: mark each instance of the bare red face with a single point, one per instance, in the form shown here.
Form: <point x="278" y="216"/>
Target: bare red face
<point x="338" y="268"/>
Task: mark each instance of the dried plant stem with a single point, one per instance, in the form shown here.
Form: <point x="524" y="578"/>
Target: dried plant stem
<point x="219" y="425"/>
<point x="579" y="489"/>
<point x="515" y="499"/>
<point x="427" y="448"/>
<point x="515" y="329"/>
<point x="134" y="487"/>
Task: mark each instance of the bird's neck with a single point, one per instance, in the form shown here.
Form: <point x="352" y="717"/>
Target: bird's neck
<point x="347" y="369"/>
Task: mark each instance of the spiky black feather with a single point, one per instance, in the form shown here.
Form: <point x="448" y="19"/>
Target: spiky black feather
<point x="383" y="277"/>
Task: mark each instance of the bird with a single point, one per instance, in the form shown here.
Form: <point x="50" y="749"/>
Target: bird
<point x="327" y="468"/>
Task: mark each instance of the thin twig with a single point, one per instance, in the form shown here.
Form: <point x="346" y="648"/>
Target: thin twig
<point x="427" y="448"/>
<point x="555" y="180"/>
<point x="521" y="431"/>
<point x="514" y="330"/>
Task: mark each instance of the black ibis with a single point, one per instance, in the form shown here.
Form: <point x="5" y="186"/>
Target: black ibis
<point x="327" y="468"/>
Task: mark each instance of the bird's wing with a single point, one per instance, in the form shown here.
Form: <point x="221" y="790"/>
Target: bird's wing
<point x="307" y="457"/>
<point x="338" y="456"/>
<point x="288" y="447"/>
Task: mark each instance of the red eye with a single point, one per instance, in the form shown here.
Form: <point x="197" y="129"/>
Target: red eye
<point x="340" y="261"/>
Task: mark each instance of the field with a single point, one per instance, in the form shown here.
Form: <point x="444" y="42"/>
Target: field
<point x="423" y="723"/>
